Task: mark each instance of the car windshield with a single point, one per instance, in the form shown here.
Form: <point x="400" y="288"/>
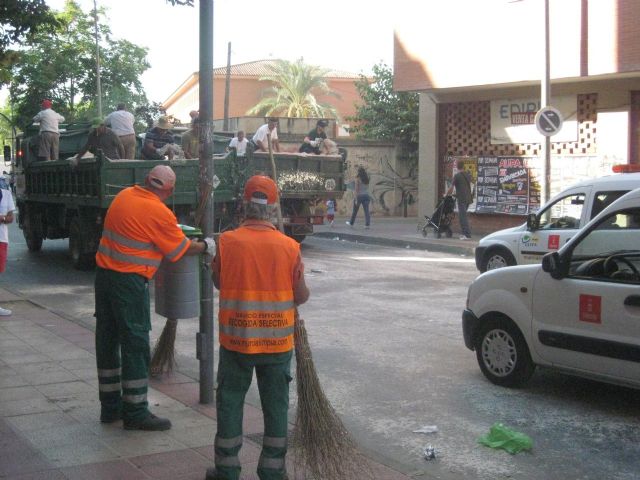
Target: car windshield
<point x="611" y="248"/>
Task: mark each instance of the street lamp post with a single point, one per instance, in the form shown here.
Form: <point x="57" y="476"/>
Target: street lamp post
<point x="545" y="99"/>
<point x="95" y="31"/>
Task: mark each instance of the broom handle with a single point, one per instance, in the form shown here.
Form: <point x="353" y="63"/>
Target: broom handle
<point x="275" y="179"/>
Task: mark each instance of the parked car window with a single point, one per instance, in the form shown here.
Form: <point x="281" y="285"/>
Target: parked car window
<point x="602" y="200"/>
<point x="611" y="250"/>
<point x="564" y="213"/>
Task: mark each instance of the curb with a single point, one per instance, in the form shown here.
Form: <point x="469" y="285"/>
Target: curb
<point x="394" y="242"/>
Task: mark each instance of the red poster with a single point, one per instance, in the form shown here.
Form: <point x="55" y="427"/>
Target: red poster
<point x="554" y="242"/>
<point x="590" y="308"/>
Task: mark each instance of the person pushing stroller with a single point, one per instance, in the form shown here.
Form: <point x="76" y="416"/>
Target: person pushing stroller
<point x="461" y="183"/>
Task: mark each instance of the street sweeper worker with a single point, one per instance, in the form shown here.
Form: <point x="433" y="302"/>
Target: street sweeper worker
<point x="260" y="275"/>
<point x="139" y="230"/>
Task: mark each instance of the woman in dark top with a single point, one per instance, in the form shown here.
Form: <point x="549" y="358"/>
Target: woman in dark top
<point x="362" y="197"/>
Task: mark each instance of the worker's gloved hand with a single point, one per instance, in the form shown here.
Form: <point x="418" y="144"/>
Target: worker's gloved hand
<point x="211" y="246"/>
<point x="313" y="143"/>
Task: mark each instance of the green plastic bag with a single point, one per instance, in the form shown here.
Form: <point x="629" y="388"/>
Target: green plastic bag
<point x="507" y="439"/>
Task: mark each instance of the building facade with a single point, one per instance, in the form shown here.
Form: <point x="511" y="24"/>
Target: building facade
<point x="246" y="90"/>
<point x="479" y="79"/>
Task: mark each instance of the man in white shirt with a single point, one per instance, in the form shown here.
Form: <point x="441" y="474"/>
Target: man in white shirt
<point x="239" y="143"/>
<point x="49" y="133"/>
<point x="260" y="137"/>
<point x="121" y="122"/>
<point x="6" y="216"/>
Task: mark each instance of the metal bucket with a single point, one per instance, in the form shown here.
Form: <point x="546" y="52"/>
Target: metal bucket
<point x="177" y="285"/>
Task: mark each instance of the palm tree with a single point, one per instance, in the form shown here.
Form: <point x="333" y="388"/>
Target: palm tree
<point x="293" y="92"/>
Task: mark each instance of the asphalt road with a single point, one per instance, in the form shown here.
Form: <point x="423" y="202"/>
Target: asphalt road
<point x="384" y="325"/>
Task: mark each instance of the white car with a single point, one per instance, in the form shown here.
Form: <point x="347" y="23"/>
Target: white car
<point x="555" y="223"/>
<point x="578" y="312"/>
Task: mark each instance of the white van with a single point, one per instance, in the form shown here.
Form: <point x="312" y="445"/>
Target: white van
<point x="556" y="222"/>
<point x="578" y="312"/>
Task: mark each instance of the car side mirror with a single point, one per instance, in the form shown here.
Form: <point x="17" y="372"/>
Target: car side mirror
<point x="532" y="222"/>
<point x="552" y="264"/>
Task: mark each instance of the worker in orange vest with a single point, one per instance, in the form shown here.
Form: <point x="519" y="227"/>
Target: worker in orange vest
<point x="260" y="275"/>
<point x="139" y="230"/>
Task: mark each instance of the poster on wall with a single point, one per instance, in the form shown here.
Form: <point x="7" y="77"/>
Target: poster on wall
<point x="506" y="185"/>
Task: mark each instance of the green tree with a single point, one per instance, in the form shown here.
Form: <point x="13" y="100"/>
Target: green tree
<point x="61" y="66"/>
<point x="385" y="114"/>
<point x="294" y="90"/>
<point x="19" y="21"/>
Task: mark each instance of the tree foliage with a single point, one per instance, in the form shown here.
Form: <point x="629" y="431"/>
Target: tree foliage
<point x="20" y="20"/>
<point x="385" y="114"/>
<point x="61" y="65"/>
<point x="294" y="90"/>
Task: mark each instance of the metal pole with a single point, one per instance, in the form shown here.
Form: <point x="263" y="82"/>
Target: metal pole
<point x="95" y="31"/>
<point x="227" y="85"/>
<point x="204" y="340"/>
<point x="545" y="100"/>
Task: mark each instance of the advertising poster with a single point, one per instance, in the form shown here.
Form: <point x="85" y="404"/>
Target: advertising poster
<point x="506" y="185"/>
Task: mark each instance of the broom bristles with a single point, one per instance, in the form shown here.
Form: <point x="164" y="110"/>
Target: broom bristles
<point x="321" y="443"/>
<point x="163" y="357"/>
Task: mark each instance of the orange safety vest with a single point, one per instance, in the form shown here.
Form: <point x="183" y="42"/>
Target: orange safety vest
<point x="256" y="312"/>
<point x="139" y="230"/>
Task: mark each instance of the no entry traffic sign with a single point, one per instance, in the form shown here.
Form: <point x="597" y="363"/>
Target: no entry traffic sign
<point x="548" y="121"/>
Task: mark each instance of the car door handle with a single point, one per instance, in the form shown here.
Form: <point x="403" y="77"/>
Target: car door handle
<point x="632" y="300"/>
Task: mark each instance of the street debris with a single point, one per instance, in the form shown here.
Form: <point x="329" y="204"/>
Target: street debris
<point x="505" y="438"/>
<point x="315" y="270"/>
<point x="429" y="452"/>
<point x="427" y="429"/>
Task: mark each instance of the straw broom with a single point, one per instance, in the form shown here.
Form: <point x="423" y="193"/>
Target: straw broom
<point x="321" y="443"/>
<point x="163" y="358"/>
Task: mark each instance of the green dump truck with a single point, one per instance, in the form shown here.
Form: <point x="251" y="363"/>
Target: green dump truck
<point x="60" y="199"/>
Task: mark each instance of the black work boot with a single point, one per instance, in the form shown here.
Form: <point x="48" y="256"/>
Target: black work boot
<point x="110" y="417"/>
<point x="150" y="423"/>
<point x="212" y="474"/>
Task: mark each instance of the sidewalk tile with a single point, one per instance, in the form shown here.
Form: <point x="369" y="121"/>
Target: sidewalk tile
<point x="172" y="465"/>
<point x="135" y="443"/>
<point x="26" y="407"/>
<point x="116" y="470"/>
<point x="18" y="393"/>
<point x="41" y="475"/>
<point x="41" y="421"/>
<point x="79" y="453"/>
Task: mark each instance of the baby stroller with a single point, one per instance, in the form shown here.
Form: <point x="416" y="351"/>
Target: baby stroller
<point x="441" y="219"/>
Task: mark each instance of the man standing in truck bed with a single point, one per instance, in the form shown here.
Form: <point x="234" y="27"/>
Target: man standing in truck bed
<point x="49" y="132"/>
<point x="139" y="230"/>
<point x="121" y="122"/>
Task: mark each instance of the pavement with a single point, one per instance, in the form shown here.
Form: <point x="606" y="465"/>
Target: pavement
<point x="397" y="232"/>
<point x="49" y="408"/>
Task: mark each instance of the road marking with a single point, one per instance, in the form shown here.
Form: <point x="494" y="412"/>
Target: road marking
<point x="416" y="259"/>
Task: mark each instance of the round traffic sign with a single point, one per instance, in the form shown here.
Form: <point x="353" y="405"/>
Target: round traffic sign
<point x="548" y="121"/>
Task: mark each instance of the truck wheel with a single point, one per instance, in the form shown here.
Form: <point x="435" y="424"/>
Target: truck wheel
<point x="80" y="259"/>
<point x="497" y="258"/>
<point x="34" y="244"/>
<point x="503" y="354"/>
<point x="31" y="233"/>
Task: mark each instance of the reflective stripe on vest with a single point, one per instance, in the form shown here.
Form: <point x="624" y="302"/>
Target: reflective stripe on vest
<point x="257" y="310"/>
<point x="122" y="257"/>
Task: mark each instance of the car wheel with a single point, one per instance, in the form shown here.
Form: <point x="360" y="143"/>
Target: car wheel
<point x="497" y="258"/>
<point x="503" y="354"/>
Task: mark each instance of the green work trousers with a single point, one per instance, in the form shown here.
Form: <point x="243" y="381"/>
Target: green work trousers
<point x="123" y="321"/>
<point x="235" y="372"/>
